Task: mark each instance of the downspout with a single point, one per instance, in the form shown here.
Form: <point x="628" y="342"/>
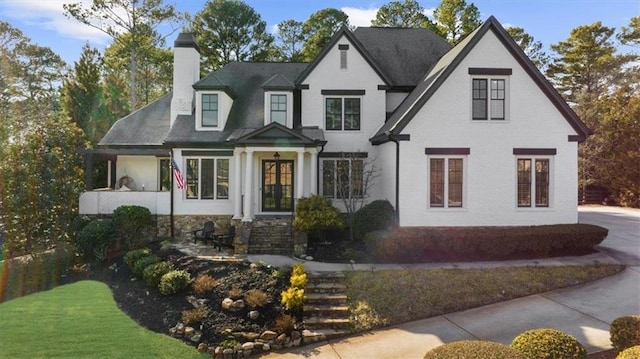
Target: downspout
<point x="171" y="199"/>
<point x="394" y="139"/>
<point x="324" y="143"/>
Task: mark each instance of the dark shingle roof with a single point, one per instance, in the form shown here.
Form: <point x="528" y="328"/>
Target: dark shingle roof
<point x="404" y="55"/>
<point x="147" y="126"/>
<point x="246" y="81"/>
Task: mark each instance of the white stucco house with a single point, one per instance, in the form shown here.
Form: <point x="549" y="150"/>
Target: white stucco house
<point x="470" y="135"/>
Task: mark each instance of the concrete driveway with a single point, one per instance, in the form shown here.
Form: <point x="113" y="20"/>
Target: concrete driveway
<point x="584" y="312"/>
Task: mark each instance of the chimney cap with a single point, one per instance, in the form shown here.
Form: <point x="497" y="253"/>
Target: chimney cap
<point x="187" y="39"/>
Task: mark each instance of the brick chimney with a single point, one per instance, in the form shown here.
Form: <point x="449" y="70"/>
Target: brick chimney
<point x="186" y="72"/>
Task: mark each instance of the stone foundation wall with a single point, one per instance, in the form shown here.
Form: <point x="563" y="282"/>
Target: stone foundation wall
<point x="184" y="225"/>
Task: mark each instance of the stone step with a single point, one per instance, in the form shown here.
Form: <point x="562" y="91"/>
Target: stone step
<point x="315" y="323"/>
<point x="325" y="277"/>
<point x="327" y="311"/>
<point x="325" y="287"/>
<point x="325" y="299"/>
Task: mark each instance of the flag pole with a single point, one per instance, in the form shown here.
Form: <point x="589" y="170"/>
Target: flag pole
<point x="171" y="200"/>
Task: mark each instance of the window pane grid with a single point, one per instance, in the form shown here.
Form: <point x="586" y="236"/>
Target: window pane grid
<point x="334" y="114"/>
<point x="342" y="178"/>
<point x="222" y="184"/>
<point x="479" y="99"/>
<point x="542" y="183"/>
<point x="524" y="183"/>
<point x="279" y="109"/>
<point x="497" y="99"/>
<point x="328" y="183"/>
<point x="209" y="110"/>
<point x="455" y="183"/>
<point x="436" y="185"/>
<point x="351" y="113"/>
<point x="193" y="175"/>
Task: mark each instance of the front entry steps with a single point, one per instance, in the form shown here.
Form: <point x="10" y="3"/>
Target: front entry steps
<point x="271" y="235"/>
<point x="325" y="311"/>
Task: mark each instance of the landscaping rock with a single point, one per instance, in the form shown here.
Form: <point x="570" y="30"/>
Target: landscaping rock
<point x="266" y="347"/>
<point x="237" y="305"/>
<point x="203" y="348"/>
<point x="196" y="338"/>
<point x="253" y="315"/>
<point x="282" y="338"/>
<point x="268" y="335"/>
<point x="227" y="353"/>
<point x="250" y="336"/>
<point x="227" y="303"/>
<point x="189" y="331"/>
<point x="197" y="302"/>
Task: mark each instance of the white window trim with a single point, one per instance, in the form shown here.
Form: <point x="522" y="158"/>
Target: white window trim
<point x="215" y="178"/>
<point x="507" y="98"/>
<point x="465" y="180"/>
<point x="343" y="97"/>
<point x="533" y="159"/>
<point x="267" y="107"/>
<point x="221" y="110"/>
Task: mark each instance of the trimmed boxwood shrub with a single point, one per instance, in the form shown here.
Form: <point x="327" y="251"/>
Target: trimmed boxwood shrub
<point x="377" y="215"/>
<point x="130" y="221"/>
<point x="94" y="237"/>
<point x="141" y="264"/>
<point x="132" y="256"/>
<point x="174" y="282"/>
<point x="625" y="332"/>
<point x="154" y="272"/>
<point x="548" y="344"/>
<point x="473" y="349"/>
<point x="630" y="353"/>
<point x="413" y="244"/>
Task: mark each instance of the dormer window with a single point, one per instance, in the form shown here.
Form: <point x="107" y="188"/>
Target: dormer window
<point x="278" y="107"/>
<point x="212" y="109"/>
<point x="489" y="93"/>
<point x="209" y="114"/>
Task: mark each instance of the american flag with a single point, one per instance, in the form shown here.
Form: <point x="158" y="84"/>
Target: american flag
<point x="177" y="174"/>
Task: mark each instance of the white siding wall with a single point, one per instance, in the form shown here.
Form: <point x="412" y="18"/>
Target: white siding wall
<point x="490" y="170"/>
<point x="358" y="75"/>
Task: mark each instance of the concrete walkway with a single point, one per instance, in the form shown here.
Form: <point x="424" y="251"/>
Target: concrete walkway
<point x="584" y="312"/>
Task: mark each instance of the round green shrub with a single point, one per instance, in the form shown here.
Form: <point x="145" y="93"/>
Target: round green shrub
<point x="132" y="256"/>
<point x="630" y="353"/>
<point x="154" y="272"/>
<point x="548" y="344"/>
<point x="93" y="238"/>
<point x="473" y="349"/>
<point x="377" y="215"/>
<point x="174" y="282"/>
<point x="141" y="264"/>
<point x="130" y="221"/>
<point x="625" y="332"/>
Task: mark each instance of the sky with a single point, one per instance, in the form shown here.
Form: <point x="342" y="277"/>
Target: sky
<point x="548" y="21"/>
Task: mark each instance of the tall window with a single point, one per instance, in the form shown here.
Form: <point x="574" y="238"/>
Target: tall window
<point x="342" y="113"/>
<point x="484" y="90"/>
<point x="342" y="178"/>
<point x="207" y="178"/>
<point x="445" y="182"/>
<point x="533" y="185"/>
<point x="164" y="177"/>
<point x="279" y="109"/>
<point x="209" y="110"/>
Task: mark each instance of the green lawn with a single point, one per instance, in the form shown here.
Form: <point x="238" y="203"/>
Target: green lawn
<point x="79" y="320"/>
<point x="398" y="296"/>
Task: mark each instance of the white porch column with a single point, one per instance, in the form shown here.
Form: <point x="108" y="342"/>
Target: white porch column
<point x="237" y="188"/>
<point x="313" y="188"/>
<point x="300" y="175"/>
<point x="248" y="188"/>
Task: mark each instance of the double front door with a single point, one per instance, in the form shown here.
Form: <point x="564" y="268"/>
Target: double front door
<point x="277" y="185"/>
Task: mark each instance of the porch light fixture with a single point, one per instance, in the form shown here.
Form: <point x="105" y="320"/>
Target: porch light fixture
<point x="276" y="156"/>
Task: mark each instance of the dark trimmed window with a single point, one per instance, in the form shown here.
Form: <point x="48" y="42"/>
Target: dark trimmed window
<point x="342" y="113"/>
<point x="207" y="178"/>
<point x="533" y="185"/>
<point x="279" y="109"/>
<point x="488" y="99"/>
<point x="165" y="175"/>
<point x="342" y="178"/>
<point x="209" y="110"/>
<point x="445" y="182"/>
